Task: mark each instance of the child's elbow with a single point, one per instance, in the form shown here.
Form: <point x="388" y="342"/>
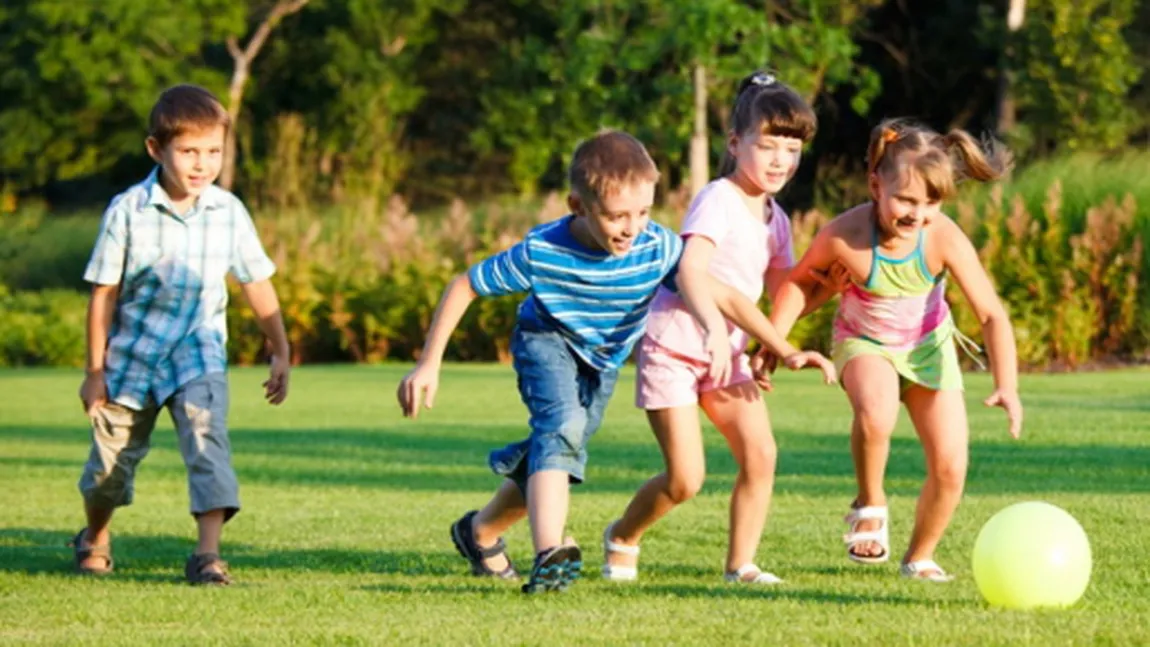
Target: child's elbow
<point x="995" y="316"/>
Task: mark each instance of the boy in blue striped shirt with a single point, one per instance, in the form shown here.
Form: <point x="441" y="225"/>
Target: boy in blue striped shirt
<point x="589" y="279"/>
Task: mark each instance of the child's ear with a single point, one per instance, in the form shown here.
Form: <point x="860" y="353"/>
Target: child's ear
<point x="574" y="204"/>
<point x="874" y="184"/>
<point x="732" y="143"/>
<point x="154" y="149"/>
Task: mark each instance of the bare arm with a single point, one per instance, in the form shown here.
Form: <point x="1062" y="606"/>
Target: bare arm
<point x="798" y="293"/>
<point x="695" y="287"/>
<point x="746" y="315"/>
<point x="424" y="378"/>
<point x="824" y="286"/>
<point x="261" y="297"/>
<point x="452" y="306"/>
<point x="962" y="260"/>
<point x="101" y="309"/>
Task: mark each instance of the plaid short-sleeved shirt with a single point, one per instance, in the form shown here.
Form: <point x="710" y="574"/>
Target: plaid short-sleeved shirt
<point x="170" y="326"/>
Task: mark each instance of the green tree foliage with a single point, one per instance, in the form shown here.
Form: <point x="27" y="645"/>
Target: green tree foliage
<point x="346" y="72"/>
<point x="78" y="78"/>
<point x="1077" y="71"/>
<point x="591" y="64"/>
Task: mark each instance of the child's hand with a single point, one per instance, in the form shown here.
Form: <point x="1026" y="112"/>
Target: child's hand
<point x="804" y="358"/>
<point x="276" y="386"/>
<point x="763" y="364"/>
<point x="93" y="392"/>
<point x="719" y="349"/>
<point x="1010" y="402"/>
<point x="835" y="278"/>
<point x="421" y="383"/>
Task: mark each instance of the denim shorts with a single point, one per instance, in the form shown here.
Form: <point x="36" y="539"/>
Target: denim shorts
<point x="565" y="398"/>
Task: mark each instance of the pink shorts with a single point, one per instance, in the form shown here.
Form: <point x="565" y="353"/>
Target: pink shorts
<point x="666" y="379"/>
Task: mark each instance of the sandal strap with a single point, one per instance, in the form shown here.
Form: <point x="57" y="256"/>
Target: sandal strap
<point x="761" y="576"/>
<point x="82" y="552"/>
<point x="916" y="569"/>
<point x="194" y="570"/>
<point x="612" y="547"/>
<point x="90" y="550"/>
<point x="498" y="548"/>
<point x="853" y="538"/>
<point x="868" y="512"/>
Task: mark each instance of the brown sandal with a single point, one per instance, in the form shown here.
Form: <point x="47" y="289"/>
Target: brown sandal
<point x="196" y="570"/>
<point x="82" y="553"/>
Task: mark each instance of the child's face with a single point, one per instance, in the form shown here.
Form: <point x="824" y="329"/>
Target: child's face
<point x="191" y="161"/>
<point x="903" y="202"/>
<point x="766" y="161"/>
<point x="613" y="222"/>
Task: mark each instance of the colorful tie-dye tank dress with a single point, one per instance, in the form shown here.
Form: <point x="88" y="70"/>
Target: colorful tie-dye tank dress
<point x="900" y="313"/>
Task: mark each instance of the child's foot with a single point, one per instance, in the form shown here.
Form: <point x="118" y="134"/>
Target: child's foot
<point x="620" y="561"/>
<point x="91" y="559"/>
<point x="555" y="569"/>
<point x="926" y="570"/>
<point x="207" y="569"/>
<point x="868" y="541"/>
<point x="485" y="560"/>
<point x="750" y="574"/>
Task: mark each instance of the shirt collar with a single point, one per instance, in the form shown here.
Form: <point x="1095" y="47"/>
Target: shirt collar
<point x="212" y="198"/>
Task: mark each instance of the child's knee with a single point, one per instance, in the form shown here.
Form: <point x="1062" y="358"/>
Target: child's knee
<point x="759" y="460"/>
<point x="683" y="487"/>
<point x="875" y="420"/>
<point x="950" y="474"/>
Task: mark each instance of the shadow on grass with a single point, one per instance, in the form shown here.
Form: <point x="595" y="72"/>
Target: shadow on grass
<point x="452" y="458"/>
<point x="160" y="558"/>
<point x="642" y="591"/>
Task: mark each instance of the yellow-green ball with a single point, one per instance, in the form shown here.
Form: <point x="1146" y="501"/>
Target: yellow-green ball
<point x="1032" y="555"/>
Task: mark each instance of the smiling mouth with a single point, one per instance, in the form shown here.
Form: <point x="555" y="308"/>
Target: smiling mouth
<point x="906" y="223"/>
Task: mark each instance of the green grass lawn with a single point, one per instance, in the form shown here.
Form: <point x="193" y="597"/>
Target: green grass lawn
<point x="344" y="534"/>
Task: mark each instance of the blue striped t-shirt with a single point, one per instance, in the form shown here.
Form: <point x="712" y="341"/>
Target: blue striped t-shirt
<point x="597" y="301"/>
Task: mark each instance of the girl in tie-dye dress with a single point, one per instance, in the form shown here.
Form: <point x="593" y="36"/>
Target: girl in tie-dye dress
<point x="894" y="338"/>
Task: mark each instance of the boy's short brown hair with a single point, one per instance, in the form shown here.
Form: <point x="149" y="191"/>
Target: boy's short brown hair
<point x="608" y="161"/>
<point x="182" y="108"/>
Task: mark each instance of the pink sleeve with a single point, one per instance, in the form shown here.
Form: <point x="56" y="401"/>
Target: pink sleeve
<point x="781" y="246"/>
<point x="708" y="216"/>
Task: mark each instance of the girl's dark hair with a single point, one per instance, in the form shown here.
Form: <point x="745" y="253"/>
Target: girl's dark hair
<point x="765" y="105"/>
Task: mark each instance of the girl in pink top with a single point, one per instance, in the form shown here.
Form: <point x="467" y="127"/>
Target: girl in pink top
<point x="736" y="233"/>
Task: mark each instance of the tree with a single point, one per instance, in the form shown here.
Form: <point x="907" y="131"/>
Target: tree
<point x="1076" y="71"/>
<point x="243" y="60"/>
<point x="1015" y="14"/>
<point x="78" y="79"/>
<point x="634" y="64"/>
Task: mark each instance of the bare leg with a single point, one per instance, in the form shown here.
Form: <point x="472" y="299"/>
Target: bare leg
<point x="872" y="385"/>
<point x="97" y="534"/>
<point x="681" y="440"/>
<point x="740" y="415"/>
<point x="548" y="496"/>
<point x="504" y="509"/>
<point x="210" y="526"/>
<point x="940" y="419"/>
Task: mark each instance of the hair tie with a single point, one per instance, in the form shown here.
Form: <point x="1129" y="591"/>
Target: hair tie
<point x="763" y="80"/>
<point x="889" y="136"/>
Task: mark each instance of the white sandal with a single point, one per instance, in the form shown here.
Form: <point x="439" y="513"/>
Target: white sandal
<point x="856" y="537"/>
<point x="618" y="573"/>
<point x="925" y="569"/>
<point x="761" y="576"/>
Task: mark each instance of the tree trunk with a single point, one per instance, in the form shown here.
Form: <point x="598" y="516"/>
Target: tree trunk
<point x="243" y="61"/>
<point x="1006" y="108"/>
<point x="698" y="155"/>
